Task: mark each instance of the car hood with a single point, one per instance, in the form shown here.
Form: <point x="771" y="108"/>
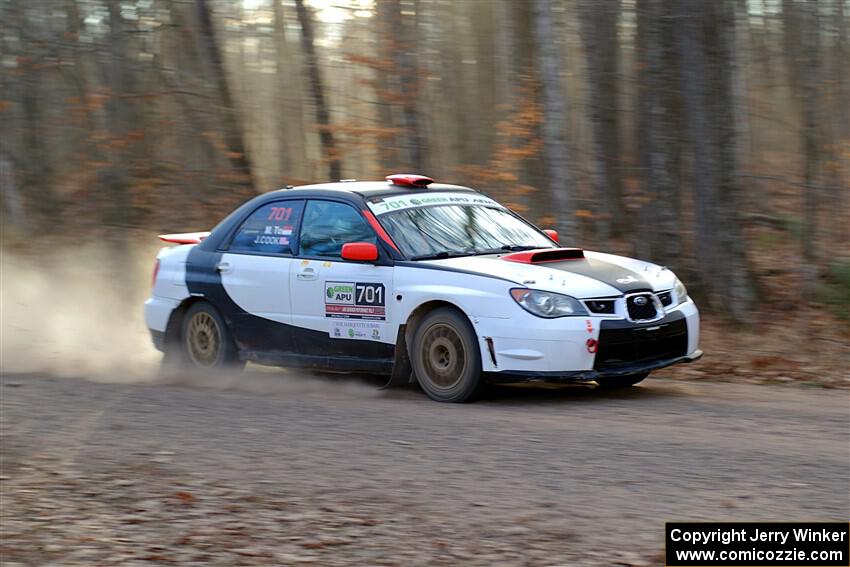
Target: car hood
<point x="595" y="275"/>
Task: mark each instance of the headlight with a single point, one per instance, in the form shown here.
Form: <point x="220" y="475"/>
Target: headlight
<point x="681" y="292"/>
<point x="547" y="304"/>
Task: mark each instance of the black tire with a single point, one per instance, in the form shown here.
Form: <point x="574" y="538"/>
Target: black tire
<point x="206" y="342"/>
<point x="614" y="382"/>
<point x="445" y="356"/>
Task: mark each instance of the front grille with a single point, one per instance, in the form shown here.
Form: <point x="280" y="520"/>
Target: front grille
<point x="624" y="346"/>
<point x="666" y="298"/>
<point x="641" y="312"/>
<point x="600" y="306"/>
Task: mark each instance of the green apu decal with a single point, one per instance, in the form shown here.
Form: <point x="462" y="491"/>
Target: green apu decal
<point x="339" y="293"/>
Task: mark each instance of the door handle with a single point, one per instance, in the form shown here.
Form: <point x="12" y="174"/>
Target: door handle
<point x="223" y="268"/>
<point x="306" y="274"/>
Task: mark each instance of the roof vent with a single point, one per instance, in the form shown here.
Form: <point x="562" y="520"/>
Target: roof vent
<point x="409" y="180"/>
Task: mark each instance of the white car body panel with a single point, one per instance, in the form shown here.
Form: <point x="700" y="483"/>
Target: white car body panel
<point x="258" y="284"/>
<point x="311" y="310"/>
<point x="169" y="288"/>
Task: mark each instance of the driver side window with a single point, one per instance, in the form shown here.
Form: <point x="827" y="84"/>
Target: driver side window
<point x="328" y="225"/>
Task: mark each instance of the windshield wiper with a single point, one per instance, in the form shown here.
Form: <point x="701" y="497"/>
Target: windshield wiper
<point x="518" y="247"/>
<point x="442" y="255"/>
<point x="458" y="253"/>
<point x="508" y="248"/>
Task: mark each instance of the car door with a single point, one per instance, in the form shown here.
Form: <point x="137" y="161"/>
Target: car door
<point x="254" y="271"/>
<point x="340" y="307"/>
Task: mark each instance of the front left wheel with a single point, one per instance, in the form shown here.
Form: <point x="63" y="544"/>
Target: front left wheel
<point x="445" y="356"/>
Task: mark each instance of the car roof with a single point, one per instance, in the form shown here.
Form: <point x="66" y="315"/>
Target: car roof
<point x="368" y="189"/>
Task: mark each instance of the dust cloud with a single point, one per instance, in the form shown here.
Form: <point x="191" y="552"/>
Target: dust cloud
<point x="282" y="382"/>
<point x="77" y="312"/>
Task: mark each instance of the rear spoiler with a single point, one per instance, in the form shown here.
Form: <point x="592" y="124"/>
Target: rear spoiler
<point x="184" y="237"/>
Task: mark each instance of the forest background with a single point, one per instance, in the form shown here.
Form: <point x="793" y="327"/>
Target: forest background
<point x="710" y="137"/>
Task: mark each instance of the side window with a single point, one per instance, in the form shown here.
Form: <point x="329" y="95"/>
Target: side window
<point x="270" y="229"/>
<point x="328" y="225"/>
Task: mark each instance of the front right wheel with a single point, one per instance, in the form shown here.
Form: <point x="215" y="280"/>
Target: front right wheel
<point x="445" y="356"/>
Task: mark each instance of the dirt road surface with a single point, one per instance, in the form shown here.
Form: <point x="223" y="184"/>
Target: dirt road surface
<point x="274" y="468"/>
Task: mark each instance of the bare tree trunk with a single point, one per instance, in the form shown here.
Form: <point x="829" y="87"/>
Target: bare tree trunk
<point x="843" y="52"/>
<point x="647" y="49"/>
<point x="656" y="135"/>
<point x="408" y="69"/>
<point x="453" y="80"/>
<point x="233" y="130"/>
<point x="558" y="179"/>
<point x="743" y="49"/>
<point x="733" y="279"/>
<point x="11" y="203"/>
<point x="482" y="103"/>
<point x="282" y="92"/>
<point x="323" y="117"/>
<point x="81" y="73"/>
<point x="388" y="16"/>
<point x="506" y="73"/>
<point x="705" y="34"/>
<point x="841" y="178"/>
<point x="599" y="31"/>
<point x="801" y="51"/>
<point x="398" y="41"/>
<point x="36" y="167"/>
<point x="690" y="38"/>
<point x="810" y="76"/>
<point x="792" y="39"/>
<point x="118" y="113"/>
<point x="188" y="78"/>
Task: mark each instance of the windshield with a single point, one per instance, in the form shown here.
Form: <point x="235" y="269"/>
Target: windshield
<point x="459" y="230"/>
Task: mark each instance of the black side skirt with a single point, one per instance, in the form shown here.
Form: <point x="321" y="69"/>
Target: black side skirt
<point x="320" y="362"/>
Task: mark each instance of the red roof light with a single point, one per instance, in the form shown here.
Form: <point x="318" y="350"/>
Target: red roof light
<point x="409" y="180"/>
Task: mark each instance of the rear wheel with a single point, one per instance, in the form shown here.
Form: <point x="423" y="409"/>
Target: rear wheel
<point x="613" y="382"/>
<point x="205" y="340"/>
<point x="445" y="356"/>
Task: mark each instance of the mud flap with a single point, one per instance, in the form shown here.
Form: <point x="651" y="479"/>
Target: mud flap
<point x="402" y="374"/>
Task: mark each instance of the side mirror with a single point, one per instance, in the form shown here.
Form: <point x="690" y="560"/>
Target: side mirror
<point x="360" y="252"/>
<point x="553" y="234"/>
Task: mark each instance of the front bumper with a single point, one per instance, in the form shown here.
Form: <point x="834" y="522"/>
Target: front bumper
<point x="587" y="375"/>
<point x="585" y="348"/>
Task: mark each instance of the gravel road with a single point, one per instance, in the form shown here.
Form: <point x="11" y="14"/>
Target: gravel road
<point x="273" y="468"/>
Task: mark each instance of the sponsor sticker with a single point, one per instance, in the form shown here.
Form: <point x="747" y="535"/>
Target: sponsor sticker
<point x="357" y="329"/>
<point x="401" y="202"/>
<point x="339" y="293"/>
<point x="267" y="239"/>
<point x="348" y="303"/>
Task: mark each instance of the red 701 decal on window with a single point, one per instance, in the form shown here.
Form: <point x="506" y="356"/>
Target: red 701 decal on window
<point x="280" y="213"/>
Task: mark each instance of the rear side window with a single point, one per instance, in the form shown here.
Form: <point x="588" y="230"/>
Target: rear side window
<point x="328" y="225"/>
<point x="271" y="229"/>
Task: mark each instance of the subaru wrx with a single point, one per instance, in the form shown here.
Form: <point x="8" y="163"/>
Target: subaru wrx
<point x="430" y="283"/>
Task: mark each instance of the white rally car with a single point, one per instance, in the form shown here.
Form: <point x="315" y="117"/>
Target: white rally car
<point x="424" y="282"/>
